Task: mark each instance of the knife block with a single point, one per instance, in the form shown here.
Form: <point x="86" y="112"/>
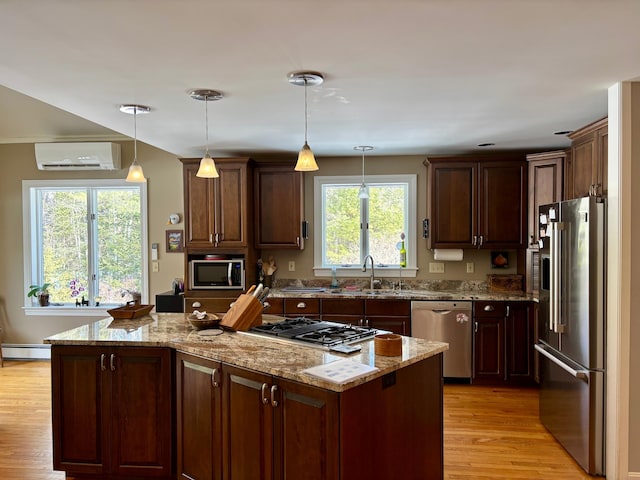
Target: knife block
<point x="245" y="313"/>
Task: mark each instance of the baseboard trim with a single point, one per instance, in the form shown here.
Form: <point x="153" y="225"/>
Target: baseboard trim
<point x="633" y="475"/>
<point x="25" y="351"/>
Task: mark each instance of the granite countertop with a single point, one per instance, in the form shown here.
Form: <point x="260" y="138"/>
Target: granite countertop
<point x="459" y="295"/>
<point x="263" y="354"/>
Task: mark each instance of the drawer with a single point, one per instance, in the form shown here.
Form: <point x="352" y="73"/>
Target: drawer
<point x="276" y="306"/>
<point x="488" y="309"/>
<point x="395" y="308"/>
<point x="210" y="305"/>
<point x="342" y="306"/>
<point x="302" y="306"/>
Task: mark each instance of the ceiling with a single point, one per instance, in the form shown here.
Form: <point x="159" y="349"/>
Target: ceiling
<point x="409" y="77"/>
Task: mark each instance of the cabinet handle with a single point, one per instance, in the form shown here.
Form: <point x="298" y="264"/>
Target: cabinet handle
<point x="301" y="305"/>
<point x="112" y="362"/>
<point x="481" y="240"/>
<point x="196" y="305"/>
<point x="507" y="310"/>
<point x="475" y="328"/>
<point x="263" y="390"/>
<point x="474" y="241"/>
<point x="274" y="402"/>
<point x="297" y="241"/>
<point x="211" y="238"/>
<point x="488" y="308"/>
<point x="214" y="381"/>
<point x="266" y="305"/>
<point x="103" y="366"/>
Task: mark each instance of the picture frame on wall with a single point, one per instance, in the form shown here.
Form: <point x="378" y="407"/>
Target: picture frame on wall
<point x="175" y="241"/>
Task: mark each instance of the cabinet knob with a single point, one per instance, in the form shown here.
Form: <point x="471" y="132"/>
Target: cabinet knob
<point x="196" y="305"/>
<point x="488" y="308"/>
<point x="301" y="305"/>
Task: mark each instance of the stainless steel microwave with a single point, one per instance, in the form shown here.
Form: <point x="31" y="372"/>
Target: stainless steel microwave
<point x="216" y="274"/>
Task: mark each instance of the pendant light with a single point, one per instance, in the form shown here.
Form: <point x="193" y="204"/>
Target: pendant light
<point x="306" y="159"/>
<point x="364" y="190"/>
<point x="135" y="170"/>
<point x="207" y="165"/>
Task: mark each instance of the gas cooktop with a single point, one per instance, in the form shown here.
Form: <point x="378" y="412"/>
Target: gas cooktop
<point x="315" y="332"/>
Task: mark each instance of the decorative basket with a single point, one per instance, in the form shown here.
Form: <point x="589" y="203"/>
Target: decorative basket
<point x="130" y="310"/>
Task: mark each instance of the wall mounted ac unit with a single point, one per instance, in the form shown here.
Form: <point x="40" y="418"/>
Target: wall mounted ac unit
<point x="78" y="156"/>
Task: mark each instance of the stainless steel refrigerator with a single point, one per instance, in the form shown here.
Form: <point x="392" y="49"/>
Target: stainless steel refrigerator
<point x="572" y="326"/>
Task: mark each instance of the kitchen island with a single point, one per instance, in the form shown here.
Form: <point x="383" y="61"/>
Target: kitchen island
<point x="244" y="407"/>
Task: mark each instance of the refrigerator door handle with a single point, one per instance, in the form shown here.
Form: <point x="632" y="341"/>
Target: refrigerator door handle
<point x="553" y="275"/>
<point x="581" y="374"/>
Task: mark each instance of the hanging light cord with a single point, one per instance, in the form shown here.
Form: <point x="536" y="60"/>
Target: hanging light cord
<point x="306" y="116"/>
<point x="206" y="125"/>
<point x="363" y="166"/>
<point x="135" y="136"/>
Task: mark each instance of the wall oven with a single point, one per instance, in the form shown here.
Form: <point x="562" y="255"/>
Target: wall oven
<point x="217" y="274"/>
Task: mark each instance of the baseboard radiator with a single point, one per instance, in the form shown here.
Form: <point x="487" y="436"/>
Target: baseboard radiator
<point x="23" y="351"/>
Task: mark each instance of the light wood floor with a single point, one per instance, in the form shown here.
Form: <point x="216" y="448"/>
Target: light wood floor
<point x="489" y="433"/>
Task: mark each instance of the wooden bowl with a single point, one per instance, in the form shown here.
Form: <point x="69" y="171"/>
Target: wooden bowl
<point x="209" y="321"/>
<point x="388" y="344"/>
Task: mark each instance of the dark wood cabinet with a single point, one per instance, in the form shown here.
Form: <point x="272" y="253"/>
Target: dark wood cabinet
<point x="477" y="203"/>
<point x="218" y="211"/>
<point x="275" y="428"/>
<point x="112" y="411"/>
<point x="388" y="314"/>
<point x="546" y="185"/>
<point x="209" y="304"/>
<point x="343" y="310"/>
<point x="503" y="339"/>
<point x="302" y="307"/>
<point x="279" y="207"/>
<point x="199" y="419"/>
<point x="586" y="170"/>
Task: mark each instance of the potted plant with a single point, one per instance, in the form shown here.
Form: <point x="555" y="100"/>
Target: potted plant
<point x="41" y="292"/>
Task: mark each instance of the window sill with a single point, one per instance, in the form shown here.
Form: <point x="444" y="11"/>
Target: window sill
<point x="66" y="311"/>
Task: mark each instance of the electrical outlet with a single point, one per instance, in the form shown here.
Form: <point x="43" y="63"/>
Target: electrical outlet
<point x="292" y="266"/>
<point x="470" y="268"/>
<point x="155" y="267"/>
<point x="436" y="267"/>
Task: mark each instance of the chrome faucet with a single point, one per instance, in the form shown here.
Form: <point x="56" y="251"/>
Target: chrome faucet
<point x="364" y="269"/>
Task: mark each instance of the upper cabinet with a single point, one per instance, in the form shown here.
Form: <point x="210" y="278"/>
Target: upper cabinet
<point x="477" y="202"/>
<point x="279" y="207"/>
<point x="218" y="211"/>
<point x="546" y="185"/>
<point x="586" y="170"/>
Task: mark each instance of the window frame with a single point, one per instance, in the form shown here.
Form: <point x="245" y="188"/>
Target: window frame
<point x="321" y="270"/>
<point x="32" y="241"/>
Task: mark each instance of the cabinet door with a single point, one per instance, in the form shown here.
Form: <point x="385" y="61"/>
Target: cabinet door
<point x="546" y="182"/>
<point x="279" y="204"/>
<point x="199" y="418"/>
<point x="602" y="135"/>
<point x="231" y="205"/>
<point x="453" y="204"/>
<point x="489" y="342"/>
<point x="198" y="208"/>
<point x="343" y="310"/>
<point x="80" y="406"/>
<point x="502" y="205"/>
<point x="306" y="432"/>
<point x="519" y="344"/>
<point x="247" y="425"/>
<point x="141" y="433"/>
<point x="391" y="315"/>
<point x="399" y="325"/>
<point x="583" y="167"/>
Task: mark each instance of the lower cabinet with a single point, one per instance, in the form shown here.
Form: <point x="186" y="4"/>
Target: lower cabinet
<point x="391" y="315"/>
<point x="112" y="411"/>
<point x="250" y="425"/>
<point x="503" y="339"/>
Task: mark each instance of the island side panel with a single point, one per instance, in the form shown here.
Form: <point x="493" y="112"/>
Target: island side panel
<point x="392" y="427"/>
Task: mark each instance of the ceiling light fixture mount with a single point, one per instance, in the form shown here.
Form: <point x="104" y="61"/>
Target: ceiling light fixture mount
<point x="135" y="170"/>
<point x="207" y="165"/>
<point x="306" y="159"/>
<point x="364" y="190"/>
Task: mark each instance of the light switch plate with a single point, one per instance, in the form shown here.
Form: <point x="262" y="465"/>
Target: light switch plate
<point x="470" y="267"/>
<point x="436" y="267"/>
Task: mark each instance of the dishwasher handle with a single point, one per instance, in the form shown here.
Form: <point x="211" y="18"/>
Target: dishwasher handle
<point x="441" y="312"/>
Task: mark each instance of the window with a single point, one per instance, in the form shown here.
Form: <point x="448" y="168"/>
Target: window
<point x="87" y="239"/>
<point x="348" y="228"/>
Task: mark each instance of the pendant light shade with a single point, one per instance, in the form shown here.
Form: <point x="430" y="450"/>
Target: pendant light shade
<point x="135" y="170"/>
<point x="207" y="167"/>
<point x="364" y="189"/>
<point x="306" y="159"/>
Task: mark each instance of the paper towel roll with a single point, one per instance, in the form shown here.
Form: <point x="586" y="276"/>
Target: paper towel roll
<point x="448" y="255"/>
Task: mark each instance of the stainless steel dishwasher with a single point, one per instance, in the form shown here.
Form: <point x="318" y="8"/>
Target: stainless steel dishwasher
<point x="446" y="322"/>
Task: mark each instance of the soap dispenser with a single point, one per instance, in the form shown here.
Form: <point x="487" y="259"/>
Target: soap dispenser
<point x="334" y="280"/>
